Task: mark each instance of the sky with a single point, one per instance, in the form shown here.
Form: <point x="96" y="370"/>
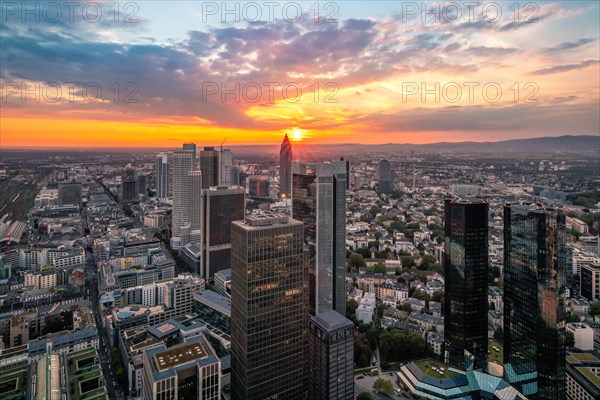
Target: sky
<point x="159" y="73"/>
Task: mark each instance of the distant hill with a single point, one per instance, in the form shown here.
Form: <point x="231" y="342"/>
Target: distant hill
<point x="559" y="144"/>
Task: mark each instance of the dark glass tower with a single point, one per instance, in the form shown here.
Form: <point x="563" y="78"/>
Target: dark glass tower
<point x="285" y="167"/>
<point x="386" y="177"/>
<point x="466" y="274"/>
<point x="269" y="310"/>
<point x="319" y="201"/>
<point x="210" y="165"/>
<point x="220" y="207"/>
<point x="330" y="357"/>
<point x="534" y="305"/>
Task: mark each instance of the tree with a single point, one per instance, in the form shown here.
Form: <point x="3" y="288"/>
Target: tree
<point x="569" y="339"/>
<point x="405" y="307"/>
<point x="361" y="352"/>
<point x="499" y="335"/>
<point x="426" y="261"/>
<point x="379" y="268"/>
<point x="384" y="386"/>
<point x="351" y="306"/>
<point x="438" y="296"/>
<point x="365" y="396"/>
<point x="356" y="261"/>
<point x="595" y="309"/>
<point x="373" y="336"/>
<point x="407" y="262"/>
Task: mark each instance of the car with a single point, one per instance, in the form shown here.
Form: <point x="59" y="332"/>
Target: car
<point x="360" y="377"/>
<point x="391" y="374"/>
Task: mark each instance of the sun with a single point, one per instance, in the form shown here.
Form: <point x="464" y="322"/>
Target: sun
<point x="297" y="134"/>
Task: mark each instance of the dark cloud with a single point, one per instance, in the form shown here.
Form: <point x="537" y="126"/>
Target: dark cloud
<point x="565" y="68"/>
<point x="568" y="45"/>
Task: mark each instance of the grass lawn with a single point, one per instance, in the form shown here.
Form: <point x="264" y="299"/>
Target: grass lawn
<point x="426" y="366"/>
<point x="493" y="355"/>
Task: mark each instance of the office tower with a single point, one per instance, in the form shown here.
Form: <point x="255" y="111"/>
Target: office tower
<point x="259" y="186"/>
<point x="190" y="370"/>
<point x="330" y="357"/>
<point x="182" y="164"/>
<point x="128" y="184"/>
<point x="195" y="204"/>
<point x="466" y="278"/>
<point x="141" y="183"/>
<point x="319" y="201"/>
<point x="229" y="174"/>
<point x="191" y="147"/>
<point x="286" y="156"/>
<point x="161" y="170"/>
<point x="590" y="281"/>
<point x="534" y="304"/>
<point x="269" y="315"/>
<point x="220" y="207"/>
<point x="69" y="194"/>
<point x="386" y="177"/>
<point x="210" y="164"/>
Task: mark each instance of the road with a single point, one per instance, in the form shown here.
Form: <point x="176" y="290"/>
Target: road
<point x="104" y="351"/>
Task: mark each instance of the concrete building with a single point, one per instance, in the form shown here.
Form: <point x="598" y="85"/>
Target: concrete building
<point x="583" y="334"/>
<point x="190" y="371"/>
<point x="330" y="357"/>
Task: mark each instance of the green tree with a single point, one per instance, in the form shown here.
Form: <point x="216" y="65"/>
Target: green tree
<point x="569" y="339"/>
<point x="407" y="261"/>
<point x="438" y="296"/>
<point x="379" y="268"/>
<point x="499" y="335"/>
<point x="351" y="306"/>
<point x="361" y="352"/>
<point x="356" y="261"/>
<point x="595" y="309"/>
<point x="384" y="386"/>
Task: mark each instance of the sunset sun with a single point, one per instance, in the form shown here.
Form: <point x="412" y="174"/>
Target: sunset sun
<point x="297" y="134"/>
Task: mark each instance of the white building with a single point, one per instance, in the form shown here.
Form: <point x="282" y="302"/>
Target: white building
<point x="584" y="335"/>
<point x="366" y="308"/>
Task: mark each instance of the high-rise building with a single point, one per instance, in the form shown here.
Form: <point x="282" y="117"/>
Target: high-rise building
<point x="330" y="357"/>
<point x="182" y="164"/>
<point x="466" y="283"/>
<point x="590" y="281"/>
<point x="128" y="184"/>
<point x="191" y="147"/>
<point x="141" y="183"/>
<point x="161" y="170"/>
<point x="69" y="193"/>
<point x="386" y="177"/>
<point x="258" y="186"/>
<point x="210" y="165"/>
<point x="534" y="300"/>
<point x="190" y="370"/>
<point x="269" y="315"/>
<point x="319" y="201"/>
<point x="220" y="207"/>
<point x="286" y="156"/>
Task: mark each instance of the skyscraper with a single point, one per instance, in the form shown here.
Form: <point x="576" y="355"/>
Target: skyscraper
<point x="210" y="165"/>
<point x="128" y="184"/>
<point x="386" y="177"/>
<point x="319" y="201"/>
<point x="330" y="357"/>
<point x="162" y="176"/>
<point x="191" y="147"/>
<point x="183" y="161"/>
<point x="286" y="156"/>
<point x="69" y="193"/>
<point x="534" y="303"/>
<point x="269" y="315"/>
<point x="220" y="207"/>
<point x="466" y="283"/>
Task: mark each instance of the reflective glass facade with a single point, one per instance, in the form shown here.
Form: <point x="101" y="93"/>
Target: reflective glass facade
<point x="534" y="304"/>
<point x="319" y="201"/>
<point x="466" y="279"/>
<point x="269" y="311"/>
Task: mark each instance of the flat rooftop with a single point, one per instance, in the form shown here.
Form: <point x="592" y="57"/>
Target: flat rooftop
<point x="179" y="355"/>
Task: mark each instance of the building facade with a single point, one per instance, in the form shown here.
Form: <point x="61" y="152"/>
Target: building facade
<point x="319" y="201"/>
<point x="269" y="314"/>
<point x="466" y="280"/>
<point x="534" y="300"/>
<point x="330" y="357"/>
<point x="286" y="156"/>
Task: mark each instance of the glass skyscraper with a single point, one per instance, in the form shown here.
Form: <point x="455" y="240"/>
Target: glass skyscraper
<point x="466" y="278"/>
<point x="269" y="308"/>
<point x="319" y="201"/>
<point x="285" y="166"/>
<point x="534" y="303"/>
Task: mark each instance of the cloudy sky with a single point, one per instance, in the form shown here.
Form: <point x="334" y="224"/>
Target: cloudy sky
<point x="330" y="72"/>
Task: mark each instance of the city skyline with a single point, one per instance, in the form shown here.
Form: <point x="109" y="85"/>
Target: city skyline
<point x="373" y="62"/>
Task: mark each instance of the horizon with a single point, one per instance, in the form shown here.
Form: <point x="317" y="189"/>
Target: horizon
<point x="294" y="143"/>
